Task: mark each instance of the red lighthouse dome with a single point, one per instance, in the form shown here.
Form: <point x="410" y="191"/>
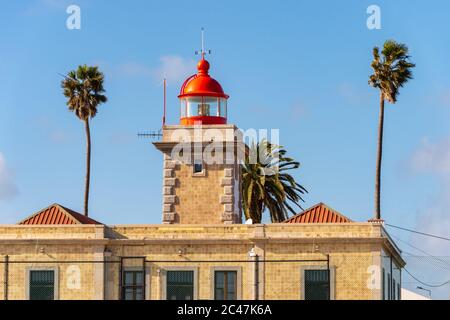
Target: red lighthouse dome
<point x="202" y="98"/>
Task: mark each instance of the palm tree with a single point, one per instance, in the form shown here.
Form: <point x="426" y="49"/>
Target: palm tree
<point x="84" y="89"/>
<point x="391" y="71"/>
<point x="267" y="185"/>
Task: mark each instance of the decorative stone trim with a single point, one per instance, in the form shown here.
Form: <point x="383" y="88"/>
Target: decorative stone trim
<point x="169" y="164"/>
<point x="228" y="190"/>
<point x="229" y="218"/>
<point x="228" y="207"/>
<point x="169" y="199"/>
<point x="228" y="172"/>
<point x="168" y="217"/>
<point x="167" y="191"/>
<point x="167" y="208"/>
<point x="226" y="199"/>
<point x="227" y="181"/>
<point x="376" y="221"/>
<point x="168" y="173"/>
<point x="169" y="182"/>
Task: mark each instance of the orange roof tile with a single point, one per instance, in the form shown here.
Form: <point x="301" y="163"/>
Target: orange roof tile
<point x="57" y="214"/>
<point x="320" y="213"/>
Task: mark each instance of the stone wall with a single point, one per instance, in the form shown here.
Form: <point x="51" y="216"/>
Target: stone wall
<point x="285" y="251"/>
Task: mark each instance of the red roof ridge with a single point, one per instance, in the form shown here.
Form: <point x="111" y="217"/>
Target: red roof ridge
<point x="326" y="215"/>
<point x="63" y="216"/>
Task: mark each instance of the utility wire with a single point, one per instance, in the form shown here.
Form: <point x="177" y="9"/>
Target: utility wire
<point x="427" y="284"/>
<point x="431" y="256"/>
<point x="446" y="263"/>
<point x="419" y="232"/>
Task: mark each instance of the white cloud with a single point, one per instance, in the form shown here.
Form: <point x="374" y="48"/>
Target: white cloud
<point x="133" y="69"/>
<point x="8" y="188"/>
<point x="432" y="157"/>
<point x="174" y="68"/>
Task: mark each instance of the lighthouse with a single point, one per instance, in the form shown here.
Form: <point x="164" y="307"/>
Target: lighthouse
<point x="202" y="98"/>
<point x="201" y="173"/>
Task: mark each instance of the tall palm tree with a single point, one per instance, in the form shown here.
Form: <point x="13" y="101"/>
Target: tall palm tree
<point x="84" y="91"/>
<point x="391" y="70"/>
<point x="267" y="185"/>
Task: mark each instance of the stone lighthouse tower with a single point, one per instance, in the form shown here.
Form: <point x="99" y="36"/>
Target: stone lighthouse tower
<point x="201" y="178"/>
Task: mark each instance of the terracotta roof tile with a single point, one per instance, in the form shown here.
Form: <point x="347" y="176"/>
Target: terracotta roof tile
<point x="57" y="215"/>
<point x="320" y="213"/>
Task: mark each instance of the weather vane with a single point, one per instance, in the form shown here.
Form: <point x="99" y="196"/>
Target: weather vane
<point x="203" y="51"/>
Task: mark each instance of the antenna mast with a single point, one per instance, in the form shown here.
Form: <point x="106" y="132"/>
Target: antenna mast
<point x="164" y="114"/>
<point x="203" y="43"/>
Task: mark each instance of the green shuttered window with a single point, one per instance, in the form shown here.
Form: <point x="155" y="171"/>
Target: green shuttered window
<point x="180" y="285"/>
<point x="42" y="285"/>
<point x="317" y="285"/>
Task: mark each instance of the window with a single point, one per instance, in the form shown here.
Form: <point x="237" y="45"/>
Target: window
<point x="198" y="166"/>
<point x="183" y="108"/>
<point x="192" y="104"/>
<point x="383" y="285"/>
<point x="393" y="290"/>
<point x="399" y="290"/>
<point x="203" y="109"/>
<point x="133" y="285"/>
<point x="225" y="285"/>
<point x="223" y="107"/>
<point x="317" y="285"/>
<point x="200" y="106"/>
<point x="180" y="285"/>
<point x="42" y="285"/>
<point x="389" y="286"/>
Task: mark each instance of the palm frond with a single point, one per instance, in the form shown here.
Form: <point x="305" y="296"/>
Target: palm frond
<point x="266" y="185"/>
<point x="84" y="91"/>
<point x="391" y="70"/>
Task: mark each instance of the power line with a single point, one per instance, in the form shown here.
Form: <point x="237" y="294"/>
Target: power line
<point x="427" y="284"/>
<point x="429" y="255"/>
<point x="419" y="232"/>
<point x="422" y="251"/>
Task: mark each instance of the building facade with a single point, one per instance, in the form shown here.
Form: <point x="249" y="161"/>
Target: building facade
<point x="202" y="250"/>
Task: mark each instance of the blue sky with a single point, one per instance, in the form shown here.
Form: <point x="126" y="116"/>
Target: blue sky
<point x="300" y="66"/>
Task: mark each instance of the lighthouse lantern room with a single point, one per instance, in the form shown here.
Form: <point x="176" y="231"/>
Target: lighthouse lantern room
<point x="202" y="98"/>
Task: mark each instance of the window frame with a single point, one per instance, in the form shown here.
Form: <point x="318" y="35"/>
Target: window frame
<point x="318" y="267"/>
<point x="238" y="271"/>
<point x="143" y="286"/>
<point x="389" y="280"/>
<point x="198" y="160"/>
<point x="394" y="289"/>
<point x="164" y="280"/>
<point x="28" y="271"/>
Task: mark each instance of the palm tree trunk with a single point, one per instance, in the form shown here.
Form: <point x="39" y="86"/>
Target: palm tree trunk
<point x="88" y="167"/>
<point x="379" y="157"/>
